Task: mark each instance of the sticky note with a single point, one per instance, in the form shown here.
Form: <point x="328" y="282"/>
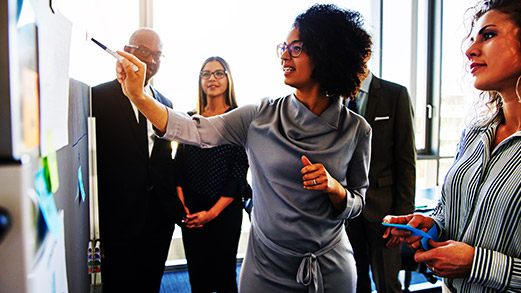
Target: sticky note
<point x="51" y="163"/>
<point x="81" y="189"/>
<point x="47" y="204"/>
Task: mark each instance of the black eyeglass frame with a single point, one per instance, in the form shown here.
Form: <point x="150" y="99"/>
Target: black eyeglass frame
<point x="282" y="47"/>
<point x="157" y="56"/>
<point x="224" y="72"/>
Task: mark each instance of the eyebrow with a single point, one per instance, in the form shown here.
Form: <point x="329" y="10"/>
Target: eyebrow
<point x="484" y="28"/>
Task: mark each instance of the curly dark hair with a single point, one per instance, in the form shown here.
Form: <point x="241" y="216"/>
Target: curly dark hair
<point x="338" y="46"/>
<point x="492" y="100"/>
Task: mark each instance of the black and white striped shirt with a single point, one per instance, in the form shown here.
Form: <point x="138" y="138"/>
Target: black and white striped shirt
<point x="481" y="205"/>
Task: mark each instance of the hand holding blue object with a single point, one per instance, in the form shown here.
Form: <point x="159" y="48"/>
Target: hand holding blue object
<point x="431" y="234"/>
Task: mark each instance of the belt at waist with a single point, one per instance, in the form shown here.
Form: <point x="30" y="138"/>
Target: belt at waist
<point x="309" y="268"/>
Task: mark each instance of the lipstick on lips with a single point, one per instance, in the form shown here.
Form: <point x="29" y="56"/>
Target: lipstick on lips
<point x="474" y="66"/>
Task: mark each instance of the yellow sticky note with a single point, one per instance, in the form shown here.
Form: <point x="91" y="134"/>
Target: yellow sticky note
<point x="51" y="163"/>
<point x="31" y="107"/>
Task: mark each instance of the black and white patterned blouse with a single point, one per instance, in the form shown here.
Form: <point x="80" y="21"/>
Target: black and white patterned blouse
<point x="206" y="174"/>
<point x="481" y="206"/>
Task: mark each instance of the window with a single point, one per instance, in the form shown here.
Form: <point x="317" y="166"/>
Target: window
<point x="244" y="33"/>
<point x="457" y="93"/>
<point x="407" y="60"/>
<point x="112" y="25"/>
<point x="404" y="56"/>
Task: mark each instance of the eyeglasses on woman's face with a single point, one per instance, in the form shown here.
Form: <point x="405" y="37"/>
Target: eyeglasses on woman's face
<point x="144" y="52"/>
<point x="295" y="48"/>
<point x="218" y="74"/>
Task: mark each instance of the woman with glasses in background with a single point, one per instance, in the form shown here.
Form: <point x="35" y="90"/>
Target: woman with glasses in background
<point x="211" y="182"/>
<point x="308" y="153"/>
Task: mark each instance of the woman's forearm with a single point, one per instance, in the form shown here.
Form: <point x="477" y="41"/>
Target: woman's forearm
<point x="220" y="205"/>
<point x="338" y="197"/>
<point x="155" y="112"/>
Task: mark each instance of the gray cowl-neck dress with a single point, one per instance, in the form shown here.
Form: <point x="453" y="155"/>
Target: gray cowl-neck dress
<point x="297" y="239"/>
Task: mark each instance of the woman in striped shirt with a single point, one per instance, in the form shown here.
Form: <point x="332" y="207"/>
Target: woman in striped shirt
<point x="479" y="214"/>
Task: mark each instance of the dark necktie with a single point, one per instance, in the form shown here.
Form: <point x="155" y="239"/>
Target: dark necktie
<point x="351" y="105"/>
<point x="143" y="131"/>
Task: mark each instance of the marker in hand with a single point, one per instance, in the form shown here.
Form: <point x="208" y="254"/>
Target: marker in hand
<point x="114" y="54"/>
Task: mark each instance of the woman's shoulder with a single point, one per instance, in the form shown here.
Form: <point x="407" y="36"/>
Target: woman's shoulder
<point x="478" y="130"/>
<point x="354" y="118"/>
<point x="363" y="126"/>
<point x="260" y="107"/>
<point x="267" y="101"/>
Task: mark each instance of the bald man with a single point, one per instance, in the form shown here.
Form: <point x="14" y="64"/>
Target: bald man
<point x="138" y="204"/>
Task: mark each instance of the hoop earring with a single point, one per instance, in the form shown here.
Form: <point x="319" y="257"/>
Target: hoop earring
<point x="517" y="92"/>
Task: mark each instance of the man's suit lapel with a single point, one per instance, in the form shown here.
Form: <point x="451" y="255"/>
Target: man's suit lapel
<point x="156" y="94"/>
<point x="159" y="97"/>
<point x="372" y="99"/>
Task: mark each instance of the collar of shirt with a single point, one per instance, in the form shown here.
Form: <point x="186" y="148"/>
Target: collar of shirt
<point x="363" y="94"/>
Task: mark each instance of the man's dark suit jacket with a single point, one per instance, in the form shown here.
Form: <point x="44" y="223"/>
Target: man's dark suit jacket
<point x="138" y="204"/>
<point x="391" y="185"/>
<point x="392" y="173"/>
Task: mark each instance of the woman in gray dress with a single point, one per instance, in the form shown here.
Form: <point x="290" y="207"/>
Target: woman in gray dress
<point x="309" y="155"/>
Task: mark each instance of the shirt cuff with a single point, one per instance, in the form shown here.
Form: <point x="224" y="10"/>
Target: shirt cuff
<point x="491" y="269"/>
<point x="172" y="126"/>
<point x="354" y="206"/>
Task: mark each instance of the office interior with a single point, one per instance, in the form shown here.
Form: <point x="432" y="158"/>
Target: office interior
<point x="49" y="65"/>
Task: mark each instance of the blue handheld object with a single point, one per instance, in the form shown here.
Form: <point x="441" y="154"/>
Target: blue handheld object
<point x="5" y="223"/>
<point x="99" y="44"/>
<point x="431" y="234"/>
<point x="114" y="54"/>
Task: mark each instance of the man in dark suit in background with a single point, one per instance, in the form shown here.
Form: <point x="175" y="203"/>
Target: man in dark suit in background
<point x="392" y="175"/>
<point x="138" y="204"/>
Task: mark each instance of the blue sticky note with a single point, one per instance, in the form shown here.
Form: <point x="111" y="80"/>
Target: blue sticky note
<point x="47" y="204"/>
<point x="81" y="189"/>
<point x="431" y="234"/>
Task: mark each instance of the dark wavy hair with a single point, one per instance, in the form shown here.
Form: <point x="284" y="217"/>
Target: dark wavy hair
<point x="337" y="45"/>
<point x="230" y="100"/>
<point x="493" y="110"/>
